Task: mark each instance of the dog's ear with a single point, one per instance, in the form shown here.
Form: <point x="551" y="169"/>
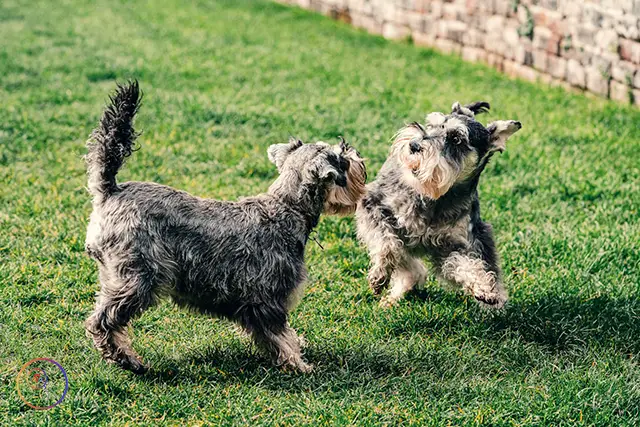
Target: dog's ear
<point x="478" y="107"/>
<point x="334" y="173"/>
<point x="470" y="110"/>
<point x="342" y="200"/>
<point x="278" y="153"/>
<point x="500" y="131"/>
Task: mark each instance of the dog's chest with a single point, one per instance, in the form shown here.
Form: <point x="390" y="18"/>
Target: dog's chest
<point x="423" y="224"/>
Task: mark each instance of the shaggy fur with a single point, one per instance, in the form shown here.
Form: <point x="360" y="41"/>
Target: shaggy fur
<point x="424" y="202"/>
<point x="242" y="261"/>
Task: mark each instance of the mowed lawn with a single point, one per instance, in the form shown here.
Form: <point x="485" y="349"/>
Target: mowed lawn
<point x="223" y="81"/>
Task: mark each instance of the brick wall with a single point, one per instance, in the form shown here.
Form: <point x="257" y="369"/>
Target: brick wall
<point x="590" y="45"/>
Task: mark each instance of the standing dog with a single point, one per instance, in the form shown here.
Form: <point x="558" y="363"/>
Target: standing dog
<point x="242" y="260"/>
<point x="425" y="202"/>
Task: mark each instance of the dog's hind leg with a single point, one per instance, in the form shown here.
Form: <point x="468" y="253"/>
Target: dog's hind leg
<point x="411" y="273"/>
<point x="119" y="300"/>
<point x="271" y="332"/>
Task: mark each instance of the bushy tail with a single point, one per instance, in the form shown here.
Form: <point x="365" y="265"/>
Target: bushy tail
<point x="112" y="141"/>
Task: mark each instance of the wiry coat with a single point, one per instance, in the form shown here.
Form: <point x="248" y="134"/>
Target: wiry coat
<point x="242" y="260"/>
<point x="424" y="202"/>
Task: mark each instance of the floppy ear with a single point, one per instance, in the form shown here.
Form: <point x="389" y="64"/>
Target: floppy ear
<point x="278" y="153"/>
<point x="500" y="131"/>
<point x="343" y="200"/>
<point x="478" y="107"/>
<point x="470" y="110"/>
<point x="332" y="173"/>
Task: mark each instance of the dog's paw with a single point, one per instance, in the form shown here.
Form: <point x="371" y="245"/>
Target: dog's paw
<point x="377" y="283"/>
<point x="133" y="364"/>
<point x="305" y="368"/>
<point x="388" y="302"/>
<point x="302" y="342"/>
<point x="492" y="300"/>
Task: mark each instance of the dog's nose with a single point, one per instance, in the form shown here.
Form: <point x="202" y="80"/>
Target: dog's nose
<point x="415" y="147"/>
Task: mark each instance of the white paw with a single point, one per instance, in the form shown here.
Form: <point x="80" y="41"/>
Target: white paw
<point x="302" y="342"/>
<point x="492" y="300"/>
<point x="388" y="302"/>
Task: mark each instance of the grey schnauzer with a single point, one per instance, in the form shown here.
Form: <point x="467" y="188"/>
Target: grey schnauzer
<point x="242" y="261"/>
<point x="424" y="202"/>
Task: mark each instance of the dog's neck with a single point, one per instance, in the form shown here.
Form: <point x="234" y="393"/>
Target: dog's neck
<point x="302" y="195"/>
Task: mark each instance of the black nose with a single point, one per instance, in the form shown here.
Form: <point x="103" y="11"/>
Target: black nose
<point x="415" y="147"/>
<point x="341" y="181"/>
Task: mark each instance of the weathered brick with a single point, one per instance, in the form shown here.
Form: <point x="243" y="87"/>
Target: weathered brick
<point x="628" y="26"/>
<point x="510" y="36"/>
<point x="540" y="59"/>
<point x="495" y="24"/>
<point x="557" y="67"/>
<point x="502" y="7"/>
<point x="527" y="73"/>
<point x="602" y="63"/>
<point x="473" y="38"/>
<point x="545" y="39"/>
<point x="423" y="39"/>
<point x="452" y="30"/>
<point x="544" y="17"/>
<point x="623" y="71"/>
<point x="367" y="23"/>
<point x="576" y="73"/>
<point x="495" y="61"/>
<point x="473" y="54"/>
<point x="393" y="31"/>
<point x="510" y="68"/>
<point x="436" y="9"/>
<point x="607" y="40"/>
<point x="636" y="96"/>
<point x="584" y="35"/>
<point x="597" y="82"/>
<point x="453" y="11"/>
<point x="619" y="91"/>
<point x="448" y="46"/>
<point x="523" y="54"/>
<point x="630" y="50"/>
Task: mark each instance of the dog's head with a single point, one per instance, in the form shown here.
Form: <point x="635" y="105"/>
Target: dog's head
<point x="339" y="167"/>
<point x="449" y="148"/>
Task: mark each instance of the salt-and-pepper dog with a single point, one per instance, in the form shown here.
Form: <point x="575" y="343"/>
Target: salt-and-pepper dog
<point x="424" y="202"/>
<point x="242" y="260"/>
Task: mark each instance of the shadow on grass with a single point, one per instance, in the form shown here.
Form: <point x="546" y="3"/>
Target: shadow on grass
<point x="557" y="323"/>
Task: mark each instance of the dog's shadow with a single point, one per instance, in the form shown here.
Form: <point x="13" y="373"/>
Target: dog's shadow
<point x="557" y="323"/>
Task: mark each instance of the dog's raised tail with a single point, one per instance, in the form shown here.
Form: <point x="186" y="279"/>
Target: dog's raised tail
<point x="112" y="141"/>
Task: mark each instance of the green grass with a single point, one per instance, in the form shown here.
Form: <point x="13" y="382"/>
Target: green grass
<point x="225" y="79"/>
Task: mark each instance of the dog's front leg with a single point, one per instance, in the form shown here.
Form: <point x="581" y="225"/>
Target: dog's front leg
<point x="471" y="272"/>
<point x="271" y="332"/>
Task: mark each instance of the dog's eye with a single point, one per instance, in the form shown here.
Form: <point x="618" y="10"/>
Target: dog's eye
<point x="454" y="138"/>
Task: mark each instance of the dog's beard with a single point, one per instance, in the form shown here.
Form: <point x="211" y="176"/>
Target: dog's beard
<point x="428" y="171"/>
<point x="343" y="200"/>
